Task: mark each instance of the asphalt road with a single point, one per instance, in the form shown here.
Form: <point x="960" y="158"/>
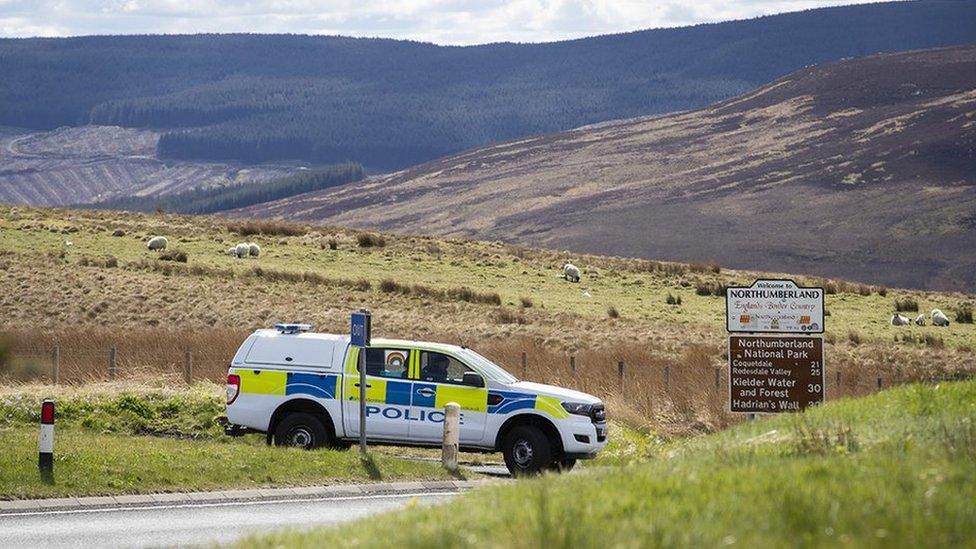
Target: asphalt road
<point x="182" y="525"/>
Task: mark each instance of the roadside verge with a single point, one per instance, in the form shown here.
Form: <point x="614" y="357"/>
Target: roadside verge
<point x="234" y="496"/>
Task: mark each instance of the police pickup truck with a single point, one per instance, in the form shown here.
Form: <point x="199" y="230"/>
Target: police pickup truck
<point x="302" y="389"/>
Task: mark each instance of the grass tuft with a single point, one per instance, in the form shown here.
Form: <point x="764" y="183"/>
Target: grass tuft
<point x="268" y="228"/>
<point x="964" y="315"/>
<point x="907" y="304"/>
<point x="173" y="255"/>
<point x="369" y="240"/>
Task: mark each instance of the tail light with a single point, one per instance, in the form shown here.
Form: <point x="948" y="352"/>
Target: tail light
<point x="233" y="387"/>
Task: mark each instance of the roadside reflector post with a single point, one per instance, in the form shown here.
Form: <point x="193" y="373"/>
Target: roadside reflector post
<point x="112" y="363"/>
<point x="452" y="428"/>
<point x="188" y="367"/>
<point x="56" y="365"/>
<point x="525" y="364"/>
<point x="360" y="332"/>
<point x="45" y="456"/>
<point x="620" y="375"/>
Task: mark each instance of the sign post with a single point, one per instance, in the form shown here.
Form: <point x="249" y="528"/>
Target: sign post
<point x="774" y="306"/>
<point x="360" y="332"/>
<point x="784" y="370"/>
<point x="775" y="373"/>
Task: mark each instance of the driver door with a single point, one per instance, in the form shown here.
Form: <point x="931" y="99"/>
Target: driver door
<point x="439" y="381"/>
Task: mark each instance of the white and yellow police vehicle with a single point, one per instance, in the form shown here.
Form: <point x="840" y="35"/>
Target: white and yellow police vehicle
<point x="302" y="389"/>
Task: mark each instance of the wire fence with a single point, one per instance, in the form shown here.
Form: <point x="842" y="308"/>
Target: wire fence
<point x="675" y="390"/>
<point x="60" y="365"/>
<point x="646" y="383"/>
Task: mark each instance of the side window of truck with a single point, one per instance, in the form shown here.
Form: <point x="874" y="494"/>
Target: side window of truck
<point x="440" y="368"/>
<point x="391" y="363"/>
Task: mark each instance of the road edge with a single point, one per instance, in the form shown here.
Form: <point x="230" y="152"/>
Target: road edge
<point x="17" y="506"/>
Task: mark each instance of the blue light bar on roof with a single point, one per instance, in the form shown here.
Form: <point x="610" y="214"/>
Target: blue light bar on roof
<point x="291" y="328"/>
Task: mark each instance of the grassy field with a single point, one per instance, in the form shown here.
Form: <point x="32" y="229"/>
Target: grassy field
<point x="90" y="463"/>
<point x="126" y="438"/>
<point x="897" y="469"/>
<point x="106" y="291"/>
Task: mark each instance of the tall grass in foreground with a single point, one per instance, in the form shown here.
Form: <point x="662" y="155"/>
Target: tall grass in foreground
<point x="891" y="470"/>
<point x="643" y="385"/>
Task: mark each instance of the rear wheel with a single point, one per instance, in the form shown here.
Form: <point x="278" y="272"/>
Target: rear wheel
<point x="562" y="465"/>
<point x="301" y="430"/>
<point x="527" y="451"/>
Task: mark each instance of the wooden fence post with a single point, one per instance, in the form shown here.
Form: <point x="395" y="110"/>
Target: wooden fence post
<point x="718" y="377"/>
<point x="525" y="363"/>
<point x="879" y="383"/>
<point x="667" y="378"/>
<point x="56" y="364"/>
<point x="620" y="375"/>
<point x="572" y="365"/>
<point x="112" y="363"/>
<point x="188" y="367"/>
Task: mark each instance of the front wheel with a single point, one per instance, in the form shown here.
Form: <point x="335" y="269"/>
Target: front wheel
<point x="527" y="451"/>
<point x="301" y="430"/>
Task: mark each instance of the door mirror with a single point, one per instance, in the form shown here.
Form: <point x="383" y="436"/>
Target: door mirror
<point x="473" y="379"/>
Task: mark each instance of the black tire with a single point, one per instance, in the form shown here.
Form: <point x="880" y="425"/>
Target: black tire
<point x="527" y="451"/>
<point x="562" y="465"/>
<point x="302" y="430"/>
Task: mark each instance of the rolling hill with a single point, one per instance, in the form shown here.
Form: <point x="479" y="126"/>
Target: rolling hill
<point x="94" y="163"/>
<point x="388" y="104"/>
<point x="864" y="168"/>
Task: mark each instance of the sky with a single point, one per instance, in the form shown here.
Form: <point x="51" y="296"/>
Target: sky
<point x="458" y="22"/>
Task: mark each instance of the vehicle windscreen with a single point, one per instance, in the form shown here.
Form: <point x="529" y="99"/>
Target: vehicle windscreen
<point x="491" y="370"/>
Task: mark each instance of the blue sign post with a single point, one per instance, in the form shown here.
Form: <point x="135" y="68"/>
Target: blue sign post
<point x="360" y="330"/>
<point x="359" y="334"/>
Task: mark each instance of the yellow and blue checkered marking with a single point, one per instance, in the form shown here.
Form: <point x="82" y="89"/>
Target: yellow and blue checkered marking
<point x="272" y="382"/>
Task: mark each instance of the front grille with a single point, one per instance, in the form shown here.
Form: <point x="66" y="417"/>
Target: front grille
<point x="598" y="414"/>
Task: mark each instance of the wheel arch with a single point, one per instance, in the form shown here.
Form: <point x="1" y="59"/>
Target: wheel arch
<point x="535" y="420"/>
<point x="306" y="405"/>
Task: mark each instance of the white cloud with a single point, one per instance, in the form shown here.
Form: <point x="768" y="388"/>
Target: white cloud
<point x="439" y="21"/>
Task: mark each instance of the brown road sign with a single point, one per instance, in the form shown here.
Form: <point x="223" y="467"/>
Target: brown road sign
<point x="770" y="374"/>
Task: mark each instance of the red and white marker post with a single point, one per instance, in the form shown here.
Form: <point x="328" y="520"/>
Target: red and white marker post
<point x="45" y="456"/>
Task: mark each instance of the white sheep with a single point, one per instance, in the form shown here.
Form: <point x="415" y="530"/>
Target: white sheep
<point x="232" y="251"/>
<point x="243" y="250"/>
<point x="900" y="320"/>
<point x="157" y="243"/>
<point x="571" y="272"/>
<point x="254" y="249"/>
<point x="920" y="320"/>
<point x="939" y="318"/>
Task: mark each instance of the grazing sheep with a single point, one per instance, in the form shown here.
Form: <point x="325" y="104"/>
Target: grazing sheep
<point x="571" y="272"/>
<point x="254" y="249"/>
<point x="157" y="243"/>
<point x="900" y="320"/>
<point x="920" y="320"/>
<point x="939" y="318"/>
<point x="243" y="250"/>
<point x="232" y="251"/>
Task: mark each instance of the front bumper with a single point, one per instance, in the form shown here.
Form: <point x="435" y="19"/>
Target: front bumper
<point x="583" y="439"/>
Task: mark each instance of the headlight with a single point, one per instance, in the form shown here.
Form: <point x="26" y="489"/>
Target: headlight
<point x="578" y="408"/>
